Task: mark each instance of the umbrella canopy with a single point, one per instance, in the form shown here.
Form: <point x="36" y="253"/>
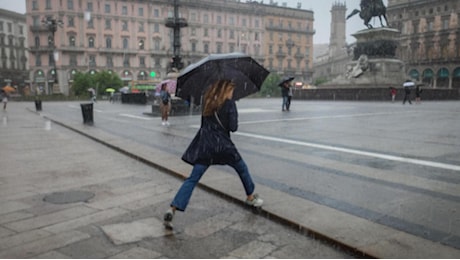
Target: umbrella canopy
<point x="170" y="83"/>
<point x="284" y="80"/>
<point x="244" y="71"/>
<point x="408" y="84"/>
<point x="124" y="90"/>
<point x="109" y="90"/>
<point x="8" y="89"/>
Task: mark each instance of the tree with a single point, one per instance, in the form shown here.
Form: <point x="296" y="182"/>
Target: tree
<point x="270" y="86"/>
<point x="100" y="81"/>
<point x="81" y="83"/>
<point x="105" y="80"/>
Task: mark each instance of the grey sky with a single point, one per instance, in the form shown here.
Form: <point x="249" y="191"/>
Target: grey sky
<point x="321" y="8"/>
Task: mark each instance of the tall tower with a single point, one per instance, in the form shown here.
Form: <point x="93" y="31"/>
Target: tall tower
<point x="337" y="40"/>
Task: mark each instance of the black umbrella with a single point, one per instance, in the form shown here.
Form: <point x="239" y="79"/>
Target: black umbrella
<point x="284" y="80"/>
<point x="247" y="74"/>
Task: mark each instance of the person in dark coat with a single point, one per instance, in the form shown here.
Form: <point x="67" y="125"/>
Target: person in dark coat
<point x="418" y="91"/>
<point x="286" y="93"/>
<point x="407" y="86"/>
<point x="212" y="145"/>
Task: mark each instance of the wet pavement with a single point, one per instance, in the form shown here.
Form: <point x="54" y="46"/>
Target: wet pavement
<point x="63" y="195"/>
<point x="128" y="201"/>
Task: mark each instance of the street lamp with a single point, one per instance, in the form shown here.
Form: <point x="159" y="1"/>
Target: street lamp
<point x="176" y="23"/>
<point x="52" y="24"/>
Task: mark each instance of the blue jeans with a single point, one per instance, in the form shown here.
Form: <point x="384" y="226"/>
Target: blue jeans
<point x="285" y="103"/>
<point x="182" y="197"/>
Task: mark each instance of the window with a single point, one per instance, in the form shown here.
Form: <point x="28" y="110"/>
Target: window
<point x="91" y="42"/>
<point x="141" y="27"/>
<point x="51" y="59"/>
<point x="157" y="45"/>
<point x="125" y="43"/>
<point x="70" y="21"/>
<point x="206" y="48"/>
<point x="257" y="25"/>
<point x="91" y="23"/>
<point x="156" y="28"/>
<point x="193" y="32"/>
<point x="48" y="4"/>
<point x="50" y="41"/>
<point x="38" y="60"/>
<point x="206" y="32"/>
<point x="92" y="60"/>
<point x="72" y="41"/>
<point x="108" y="42"/>
<point x="141" y="44"/>
<point x="231" y="21"/>
<point x="126" y="61"/>
<point x="109" y="62"/>
<point x="34" y="5"/>
<point x="124" y="25"/>
<point x="10" y="27"/>
<point x="73" y="60"/>
<point x="219" y="19"/>
<point x="124" y="10"/>
<point x="219" y="33"/>
<point x="107" y="8"/>
<point x="36" y="20"/>
<point x="156" y="13"/>
<point x="1" y="26"/>
<point x="219" y="48"/>
<point x="142" y="61"/>
<point x="244" y="22"/>
<point x="206" y="18"/>
<point x="37" y="41"/>
<point x="70" y="4"/>
<point x="90" y="6"/>
<point x="108" y="24"/>
<point x="193" y="46"/>
<point x="141" y="11"/>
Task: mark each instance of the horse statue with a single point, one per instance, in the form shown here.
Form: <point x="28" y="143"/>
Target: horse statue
<point x="369" y="9"/>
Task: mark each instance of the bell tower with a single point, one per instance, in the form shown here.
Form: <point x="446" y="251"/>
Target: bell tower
<point x="337" y="40"/>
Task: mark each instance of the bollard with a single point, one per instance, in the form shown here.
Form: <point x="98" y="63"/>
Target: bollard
<point x="38" y="105"/>
<point x="87" y="112"/>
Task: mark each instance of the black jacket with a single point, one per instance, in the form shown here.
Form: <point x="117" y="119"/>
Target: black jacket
<point x="212" y="143"/>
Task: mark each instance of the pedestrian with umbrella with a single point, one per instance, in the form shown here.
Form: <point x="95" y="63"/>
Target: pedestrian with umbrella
<point x="212" y="144"/>
<point x="408" y="84"/>
<point x="286" y="92"/>
<point x="4" y="97"/>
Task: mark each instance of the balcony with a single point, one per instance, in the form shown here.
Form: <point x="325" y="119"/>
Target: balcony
<point x="38" y="28"/>
<point x="71" y="49"/>
<point x="280" y="54"/>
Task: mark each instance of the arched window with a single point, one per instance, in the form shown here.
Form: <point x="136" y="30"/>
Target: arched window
<point x="91" y="42"/>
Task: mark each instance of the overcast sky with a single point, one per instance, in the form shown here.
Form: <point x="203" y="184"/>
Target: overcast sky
<point x="321" y="8"/>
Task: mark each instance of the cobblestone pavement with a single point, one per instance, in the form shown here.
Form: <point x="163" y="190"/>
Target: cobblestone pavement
<point x="121" y="216"/>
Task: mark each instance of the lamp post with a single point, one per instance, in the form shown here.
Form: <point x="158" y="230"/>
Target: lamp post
<point x="176" y="23"/>
<point x="52" y="24"/>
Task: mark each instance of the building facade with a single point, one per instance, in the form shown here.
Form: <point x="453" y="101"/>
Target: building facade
<point x="130" y="38"/>
<point x="13" y="47"/>
<point x="334" y="62"/>
<point x="430" y="40"/>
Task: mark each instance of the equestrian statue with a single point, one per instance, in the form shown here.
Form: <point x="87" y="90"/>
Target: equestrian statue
<point x="369" y="9"/>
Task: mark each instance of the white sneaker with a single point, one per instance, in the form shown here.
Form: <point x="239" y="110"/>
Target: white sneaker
<point x="256" y="202"/>
<point x="167" y="123"/>
<point x="163" y="123"/>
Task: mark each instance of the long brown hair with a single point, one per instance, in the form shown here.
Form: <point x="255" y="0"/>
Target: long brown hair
<point x="216" y="95"/>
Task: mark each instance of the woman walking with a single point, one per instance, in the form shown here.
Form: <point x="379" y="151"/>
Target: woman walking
<point x="165" y="104"/>
<point x="212" y="145"/>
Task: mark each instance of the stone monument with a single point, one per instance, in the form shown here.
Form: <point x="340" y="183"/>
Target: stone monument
<point x="374" y="61"/>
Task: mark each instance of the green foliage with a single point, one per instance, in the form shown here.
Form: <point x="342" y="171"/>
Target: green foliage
<point x="320" y="81"/>
<point x="99" y="81"/>
<point x="270" y="86"/>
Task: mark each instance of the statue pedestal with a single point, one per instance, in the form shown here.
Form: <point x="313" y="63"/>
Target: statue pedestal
<point x="374" y="63"/>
